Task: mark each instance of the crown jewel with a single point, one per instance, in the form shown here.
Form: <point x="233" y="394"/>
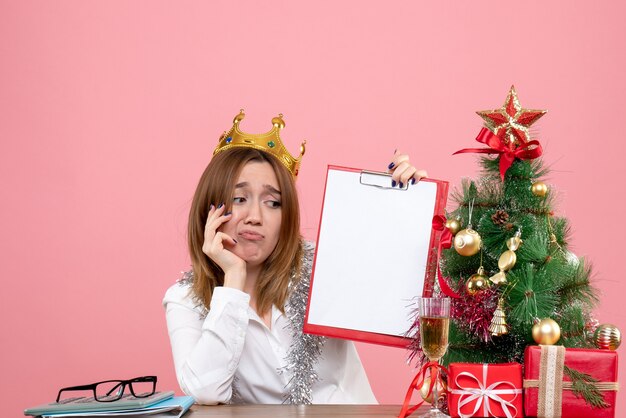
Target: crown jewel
<point x="269" y="142"/>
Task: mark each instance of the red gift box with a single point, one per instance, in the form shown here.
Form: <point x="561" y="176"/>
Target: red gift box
<point x="547" y="387"/>
<point x="485" y="390"/>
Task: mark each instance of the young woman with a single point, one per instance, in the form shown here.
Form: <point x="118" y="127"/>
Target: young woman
<point x="235" y="320"/>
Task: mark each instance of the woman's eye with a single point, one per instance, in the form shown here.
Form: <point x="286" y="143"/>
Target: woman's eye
<point x="239" y="199"/>
<point x="274" y="203"/>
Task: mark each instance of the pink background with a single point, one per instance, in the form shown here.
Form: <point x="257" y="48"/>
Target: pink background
<point x="109" y="112"/>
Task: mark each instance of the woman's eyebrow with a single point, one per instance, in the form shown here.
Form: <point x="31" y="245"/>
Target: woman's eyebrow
<point x="271" y="189"/>
<point x="267" y="187"/>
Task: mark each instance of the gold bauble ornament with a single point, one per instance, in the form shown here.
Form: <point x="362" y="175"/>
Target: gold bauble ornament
<point x="539" y="189"/>
<point x="607" y="337"/>
<point x="441" y="388"/>
<point x="467" y="242"/>
<point x="546" y="332"/>
<point x="477" y="282"/>
<point x="453" y="225"/>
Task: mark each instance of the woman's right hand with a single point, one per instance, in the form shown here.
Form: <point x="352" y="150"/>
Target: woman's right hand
<point x="215" y="247"/>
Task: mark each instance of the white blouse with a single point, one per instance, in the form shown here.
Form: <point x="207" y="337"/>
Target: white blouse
<point x="233" y="344"/>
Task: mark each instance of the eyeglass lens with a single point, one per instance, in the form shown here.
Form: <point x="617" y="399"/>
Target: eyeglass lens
<point x="109" y="391"/>
<point x="142" y="387"/>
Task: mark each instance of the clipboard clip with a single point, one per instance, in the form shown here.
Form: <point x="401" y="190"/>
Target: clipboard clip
<point x="379" y="179"/>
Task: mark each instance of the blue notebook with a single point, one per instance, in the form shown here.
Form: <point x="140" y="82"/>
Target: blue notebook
<point x="171" y="408"/>
<point x="88" y="404"/>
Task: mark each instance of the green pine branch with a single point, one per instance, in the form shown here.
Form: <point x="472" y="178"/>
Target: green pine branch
<point x="463" y="347"/>
<point x="576" y="285"/>
<point x="532" y="170"/>
<point x="572" y="320"/>
<point x="532" y="295"/>
<point x="562" y="230"/>
<point x="534" y="250"/>
<point x="584" y="385"/>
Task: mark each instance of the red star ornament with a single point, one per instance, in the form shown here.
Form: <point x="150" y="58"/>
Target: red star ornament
<point x="511" y="121"/>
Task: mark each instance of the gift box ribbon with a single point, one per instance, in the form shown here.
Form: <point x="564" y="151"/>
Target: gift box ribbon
<point x="484" y="394"/>
<point x="551" y="384"/>
<point x="601" y="386"/>
<point x="551" y="380"/>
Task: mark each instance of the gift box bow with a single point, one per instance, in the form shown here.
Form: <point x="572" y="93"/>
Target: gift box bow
<point x="483" y="394"/>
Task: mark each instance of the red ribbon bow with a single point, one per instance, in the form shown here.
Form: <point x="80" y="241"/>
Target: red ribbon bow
<point x="439" y="224"/>
<point x="417" y="384"/>
<point x="445" y="241"/>
<point x="527" y="151"/>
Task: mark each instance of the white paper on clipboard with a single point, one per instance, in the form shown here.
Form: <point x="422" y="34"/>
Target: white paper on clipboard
<point x="372" y="252"/>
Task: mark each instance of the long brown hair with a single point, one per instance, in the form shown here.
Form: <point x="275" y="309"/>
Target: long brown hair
<point x="216" y="186"/>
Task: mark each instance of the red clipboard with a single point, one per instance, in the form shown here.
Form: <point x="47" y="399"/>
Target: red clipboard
<point x="375" y="254"/>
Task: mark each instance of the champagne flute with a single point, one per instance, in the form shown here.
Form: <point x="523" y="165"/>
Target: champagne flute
<point x="434" y="316"/>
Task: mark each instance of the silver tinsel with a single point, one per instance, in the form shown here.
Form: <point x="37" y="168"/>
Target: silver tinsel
<point x="186" y="278"/>
<point x="305" y="349"/>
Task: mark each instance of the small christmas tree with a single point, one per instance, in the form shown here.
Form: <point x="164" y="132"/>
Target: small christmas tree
<point x="509" y="265"/>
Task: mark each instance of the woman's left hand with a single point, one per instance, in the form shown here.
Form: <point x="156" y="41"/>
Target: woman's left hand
<point x="402" y="172"/>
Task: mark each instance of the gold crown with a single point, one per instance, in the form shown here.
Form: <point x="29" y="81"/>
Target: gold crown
<point x="269" y="142"/>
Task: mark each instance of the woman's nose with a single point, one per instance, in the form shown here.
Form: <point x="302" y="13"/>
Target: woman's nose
<point x="254" y="213"/>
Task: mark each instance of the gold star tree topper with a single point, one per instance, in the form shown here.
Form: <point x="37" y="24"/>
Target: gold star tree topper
<point x="511" y="121"/>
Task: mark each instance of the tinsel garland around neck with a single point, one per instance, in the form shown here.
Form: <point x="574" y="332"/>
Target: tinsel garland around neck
<point x="305" y="349"/>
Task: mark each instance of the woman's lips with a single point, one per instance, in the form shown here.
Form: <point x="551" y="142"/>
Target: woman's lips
<point x="251" y="235"/>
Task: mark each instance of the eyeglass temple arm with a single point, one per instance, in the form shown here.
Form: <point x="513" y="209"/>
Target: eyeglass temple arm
<point x="82" y="387"/>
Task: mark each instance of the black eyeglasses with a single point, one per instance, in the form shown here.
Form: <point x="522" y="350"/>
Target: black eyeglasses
<point x="112" y="390"/>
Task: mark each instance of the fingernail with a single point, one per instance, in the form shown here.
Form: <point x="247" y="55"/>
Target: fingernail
<point x="227" y="213"/>
<point x="220" y="205"/>
<point x="390" y="166"/>
<point x="235" y="241"/>
<point x="393" y="183"/>
<point x="413" y="180"/>
<point x="401" y="185"/>
<point x="211" y="207"/>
